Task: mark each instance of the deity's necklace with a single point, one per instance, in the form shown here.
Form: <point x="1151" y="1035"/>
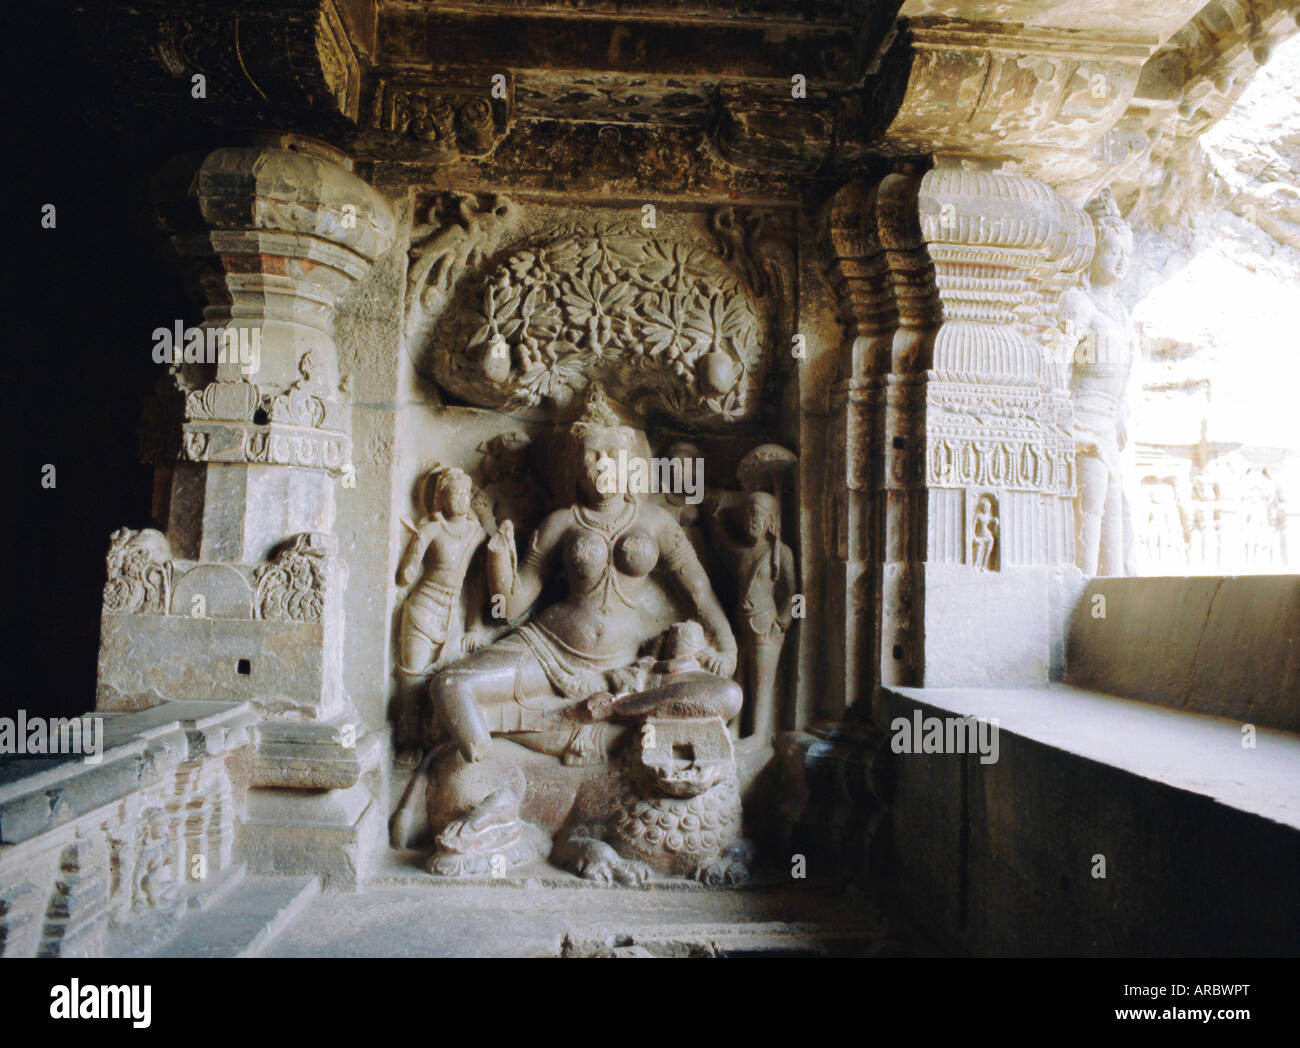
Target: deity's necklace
<point x="606" y="528"/>
<point x="457" y="532"/>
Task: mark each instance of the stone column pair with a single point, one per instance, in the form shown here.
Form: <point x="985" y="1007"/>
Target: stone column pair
<point x="953" y="426"/>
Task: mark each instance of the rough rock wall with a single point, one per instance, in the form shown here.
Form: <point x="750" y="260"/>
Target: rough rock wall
<point x="1215" y="294"/>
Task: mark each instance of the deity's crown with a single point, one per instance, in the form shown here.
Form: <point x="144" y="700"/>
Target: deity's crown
<point x="596" y="409"/>
<point x="1105" y="213"/>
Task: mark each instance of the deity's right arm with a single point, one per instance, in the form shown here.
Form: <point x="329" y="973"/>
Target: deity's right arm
<point x="520" y="584"/>
<point x="412" y="558"/>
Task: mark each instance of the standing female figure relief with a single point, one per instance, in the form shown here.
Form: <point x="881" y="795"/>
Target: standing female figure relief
<point x="1102" y="342"/>
<point x="765" y="610"/>
<point x="436" y="560"/>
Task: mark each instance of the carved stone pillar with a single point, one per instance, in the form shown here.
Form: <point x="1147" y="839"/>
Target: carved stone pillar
<point x="978" y="452"/>
<point x="242" y="598"/>
<point x="856" y="512"/>
<point x="901" y="497"/>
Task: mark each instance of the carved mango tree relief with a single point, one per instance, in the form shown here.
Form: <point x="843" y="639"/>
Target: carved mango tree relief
<point x="663" y="325"/>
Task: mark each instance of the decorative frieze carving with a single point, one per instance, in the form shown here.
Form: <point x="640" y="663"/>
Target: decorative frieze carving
<point x="459" y="231"/>
<point x="444" y="122"/>
<point x="247" y="443"/>
<point x="133" y="838"/>
<point x="860" y="274"/>
<point x="996" y="413"/>
<point x="242" y="422"/>
<point x="1045" y="96"/>
<point x="776" y="133"/>
<point x="144" y="578"/>
<point x="613" y="97"/>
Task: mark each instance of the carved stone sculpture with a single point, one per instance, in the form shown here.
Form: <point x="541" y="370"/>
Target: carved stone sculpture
<point x="662" y="324"/>
<point x="442" y="251"/>
<point x="607" y="544"/>
<point x="1103" y="356"/>
<point x="680" y="813"/>
<point x="764" y="611"/>
<point x="139" y="573"/>
<point x="436" y="560"/>
<point x="294" y="585"/>
<point x="746" y="530"/>
<point x="530" y="684"/>
<point x="510" y="490"/>
<point x="984" y="534"/>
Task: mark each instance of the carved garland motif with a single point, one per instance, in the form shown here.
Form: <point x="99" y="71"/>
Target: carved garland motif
<point x="139" y="573"/>
<point x="293" y="585"/>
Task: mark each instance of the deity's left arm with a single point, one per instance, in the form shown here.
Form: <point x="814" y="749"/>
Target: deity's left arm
<point x="789" y="586"/>
<point x="684" y="565"/>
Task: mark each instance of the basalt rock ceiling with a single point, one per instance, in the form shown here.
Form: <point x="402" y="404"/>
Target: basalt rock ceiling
<point x="694" y="96"/>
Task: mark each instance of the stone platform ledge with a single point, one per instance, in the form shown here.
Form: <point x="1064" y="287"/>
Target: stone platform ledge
<point x="404" y="869"/>
<point x="1192" y="752"/>
<point x="41" y="793"/>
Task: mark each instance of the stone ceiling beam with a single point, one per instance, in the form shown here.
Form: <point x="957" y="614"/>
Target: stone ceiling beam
<point x="1077" y="96"/>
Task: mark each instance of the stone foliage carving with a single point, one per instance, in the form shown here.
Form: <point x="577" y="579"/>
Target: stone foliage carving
<point x="661" y="324"/>
<point x="294" y="585"/>
<point x="139" y="573"/>
<point x="459" y="230"/>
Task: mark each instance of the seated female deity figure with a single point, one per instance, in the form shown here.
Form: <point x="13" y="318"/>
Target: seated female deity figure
<point x="605" y="546"/>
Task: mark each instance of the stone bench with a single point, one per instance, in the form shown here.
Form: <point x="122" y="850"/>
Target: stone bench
<point x="1193" y="818"/>
<point x="89" y="846"/>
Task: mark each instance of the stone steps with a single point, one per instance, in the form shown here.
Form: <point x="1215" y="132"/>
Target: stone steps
<point x="149" y="930"/>
<point x="244" y="919"/>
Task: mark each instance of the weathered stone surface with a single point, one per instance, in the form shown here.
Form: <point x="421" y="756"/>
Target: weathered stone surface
<point x="1229" y="647"/>
<point x="1004" y="857"/>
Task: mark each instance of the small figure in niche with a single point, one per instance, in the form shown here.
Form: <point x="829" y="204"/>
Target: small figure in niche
<point x="984" y="535"/>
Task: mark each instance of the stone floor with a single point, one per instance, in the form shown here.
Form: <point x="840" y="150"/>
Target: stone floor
<point x="540" y="912"/>
<point x="528" y="919"/>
